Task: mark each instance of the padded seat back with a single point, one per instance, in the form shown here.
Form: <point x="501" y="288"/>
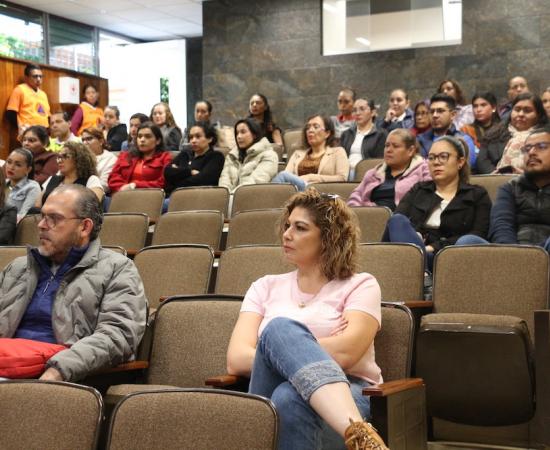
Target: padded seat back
<point x="146" y="201"/>
<point x="261" y="196"/>
<point x="27" y="231"/>
<point x="214" y="198"/>
<point x="491" y="183"/>
<point x="126" y="230"/>
<point x="341" y="188"/>
<point x="190" y="339"/>
<point x="372" y="221"/>
<point x="203" y="419"/>
<point x="364" y="166"/>
<point x="254" y="227"/>
<point x="9" y="253"/>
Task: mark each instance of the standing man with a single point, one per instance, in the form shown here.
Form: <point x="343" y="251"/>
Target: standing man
<point x="442" y="114"/>
<point x="28" y="104"/>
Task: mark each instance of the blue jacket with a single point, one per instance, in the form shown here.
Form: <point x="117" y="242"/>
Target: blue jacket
<point x="427" y="139"/>
<point x="407" y="122"/>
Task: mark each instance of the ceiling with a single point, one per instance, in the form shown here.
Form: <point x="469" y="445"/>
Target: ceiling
<point x="148" y="20"/>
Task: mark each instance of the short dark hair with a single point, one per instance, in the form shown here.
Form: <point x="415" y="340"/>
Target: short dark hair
<point x="30" y="67"/>
<point x="254" y="127"/>
<point x="209" y="131"/>
<point x="40" y="132"/>
<point x="87" y="205"/>
<point x="142" y="117"/>
<point x="64" y="114"/>
<point x="134" y="152"/>
<point x="492" y="99"/>
<point x="451" y="103"/>
<point x="29" y="159"/>
<point x="349" y="91"/>
<point x="540" y="130"/>
<point x="86" y="86"/>
<point x="207" y="103"/>
<point x="542" y="118"/>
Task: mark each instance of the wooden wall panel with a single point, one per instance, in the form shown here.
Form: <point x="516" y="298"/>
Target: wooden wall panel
<point x="11" y="74"/>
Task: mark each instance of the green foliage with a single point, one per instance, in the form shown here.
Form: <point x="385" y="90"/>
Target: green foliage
<point x="17" y="48"/>
<point x="164" y="90"/>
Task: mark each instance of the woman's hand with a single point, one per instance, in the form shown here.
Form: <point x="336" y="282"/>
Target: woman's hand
<point x="311" y="178"/>
<point x="128" y="187"/>
<point x="339" y="329"/>
<point x="390" y="115"/>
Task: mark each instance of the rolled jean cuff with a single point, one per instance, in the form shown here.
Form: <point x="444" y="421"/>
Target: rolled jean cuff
<point x="311" y="377"/>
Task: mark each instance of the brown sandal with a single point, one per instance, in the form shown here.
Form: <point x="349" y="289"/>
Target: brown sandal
<point x="363" y="436"/>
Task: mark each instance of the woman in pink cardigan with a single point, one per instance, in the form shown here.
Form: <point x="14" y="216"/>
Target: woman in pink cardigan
<point x="387" y="183"/>
<point x="320" y="162"/>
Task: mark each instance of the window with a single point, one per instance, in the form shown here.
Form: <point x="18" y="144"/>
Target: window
<point x="72" y="45"/>
<point x="355" y="26"/>
<point x="21" y="33"/>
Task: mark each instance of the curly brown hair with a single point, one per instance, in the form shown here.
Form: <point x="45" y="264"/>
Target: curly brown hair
<point x="84" y="160"/>
<point x="339" y="230"/>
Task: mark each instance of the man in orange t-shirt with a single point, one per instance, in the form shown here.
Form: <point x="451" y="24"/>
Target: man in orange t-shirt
<point x="28" y="104"/>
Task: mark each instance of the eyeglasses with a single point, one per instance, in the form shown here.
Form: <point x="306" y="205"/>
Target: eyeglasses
<point x="329" y="197"/>
<point x="442" y="157"/>
<point x="52" y="220"/>
<point x="63" y="157"/>
<point x="314" y="127"/>
<point x="539" y="146"/>
<point x="439" y="111"/>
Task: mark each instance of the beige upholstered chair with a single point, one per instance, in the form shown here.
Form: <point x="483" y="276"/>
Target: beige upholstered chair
<point x="214" y="198"/>
<point x="126" y="230"/>
<point x="491" y="183"/>
<point x="342" y="189"/>
<point x="116" y="248"/>
<point x="240" y="266"/>
<point x="189" y="227"/>
<point x="190" y="340"/>
<point x="49" y="415"/>
<point x="292" y="140"/>
<point x="254" y="227"/>
<point x="146" y="201"/>
<point x="398" y="268"/>
<point x="485" y="384"/>
<point x="364" y="166"/>
<point x="27" y="231"/>
<point x="203" y="419"/>
<point x="9" y="253"/>
<point x="372" y="221"/>
<point x="182" y="269"/>
<point x="261" y="196"/>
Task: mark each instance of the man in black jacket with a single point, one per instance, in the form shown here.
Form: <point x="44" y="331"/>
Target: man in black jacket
<point x="521" y="212"/>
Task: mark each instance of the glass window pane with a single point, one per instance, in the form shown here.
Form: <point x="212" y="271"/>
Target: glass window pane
<point x="21" y="34"/>
<point x="71" y="45"/>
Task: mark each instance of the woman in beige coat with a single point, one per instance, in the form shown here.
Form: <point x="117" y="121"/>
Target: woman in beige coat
<point x="320" y="162"/>
<point x="252" y="161"/>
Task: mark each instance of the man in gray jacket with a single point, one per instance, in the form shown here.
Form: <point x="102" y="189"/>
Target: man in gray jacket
<point x="70" y="291"/>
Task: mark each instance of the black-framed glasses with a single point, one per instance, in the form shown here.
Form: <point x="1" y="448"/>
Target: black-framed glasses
<point x="538" y="146"/>
<point x="63" y="156"/>
<point x="442" y="157"/>
<point x="52" y="220"/>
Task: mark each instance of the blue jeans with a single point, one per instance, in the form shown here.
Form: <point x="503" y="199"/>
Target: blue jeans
<point x="400" y="229"/>
<point x="289" y="367"/>
<point x="287" y="177"/>
<point x="472" y="239"/>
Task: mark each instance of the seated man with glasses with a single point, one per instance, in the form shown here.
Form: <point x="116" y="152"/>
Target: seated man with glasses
<point x="521" y="212"/>
<point x="71" y="291"/>
<point x="28" y="104"/>
<point x="442" y="113"/>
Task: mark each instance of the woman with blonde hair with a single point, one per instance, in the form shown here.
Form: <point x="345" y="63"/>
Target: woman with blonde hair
<point x="305" y="338"/>
<point x="163" y="118"/>
<point x="77" y="165"/>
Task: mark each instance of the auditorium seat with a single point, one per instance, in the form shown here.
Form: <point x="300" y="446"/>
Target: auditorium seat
<point x="364" y="166"/>
<point x="146" y="201"/>
<point x="203" y="419"/>
<point x="293" y="140"/>
<point x="240" y="266"/>
<point x="27" y="231"/>
<point x="343" y="189"/>
<point x="189" y="227"/>
<point x="116" y="248"/>
<point x="214" y="198"/>
<point x="182" y="269"/>
<point x="49" y="415"/>
<point x="372" y="221"/>
<point x="398" y="268"/>
<point x="189" y="344"/>
<point x="485" y="383"/>
<point x="254" y="227"/>
<point x="126" y="230"/>
<point x="9" y="252"/>
<point x="491" y="183"/>
<point x="261" y="196"/>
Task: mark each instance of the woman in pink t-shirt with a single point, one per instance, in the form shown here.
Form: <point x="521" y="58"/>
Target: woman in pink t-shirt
<point x="306" y="338"/>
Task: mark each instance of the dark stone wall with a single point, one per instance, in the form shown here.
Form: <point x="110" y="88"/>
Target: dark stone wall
<point x="274" y="47"/>
<point x="193" y="47"/>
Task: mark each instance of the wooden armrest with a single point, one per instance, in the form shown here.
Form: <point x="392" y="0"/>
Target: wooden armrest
<point x="131" y="252"/>
<point x="392" y="387"/>
<point x="224" y="380"/>
<point x="126" y="367"/>
<point x="218" y="253"/>
<point x="419" y="304"/>
<point x="163" y="298"/>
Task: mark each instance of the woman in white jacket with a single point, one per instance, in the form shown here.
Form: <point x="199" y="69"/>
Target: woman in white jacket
<point x="252" y="161"/>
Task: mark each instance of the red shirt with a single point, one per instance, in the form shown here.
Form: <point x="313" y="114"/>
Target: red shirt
<point x="150" y="173"/>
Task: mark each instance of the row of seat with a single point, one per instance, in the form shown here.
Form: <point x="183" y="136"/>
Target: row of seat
<point x="65" y="416"/>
